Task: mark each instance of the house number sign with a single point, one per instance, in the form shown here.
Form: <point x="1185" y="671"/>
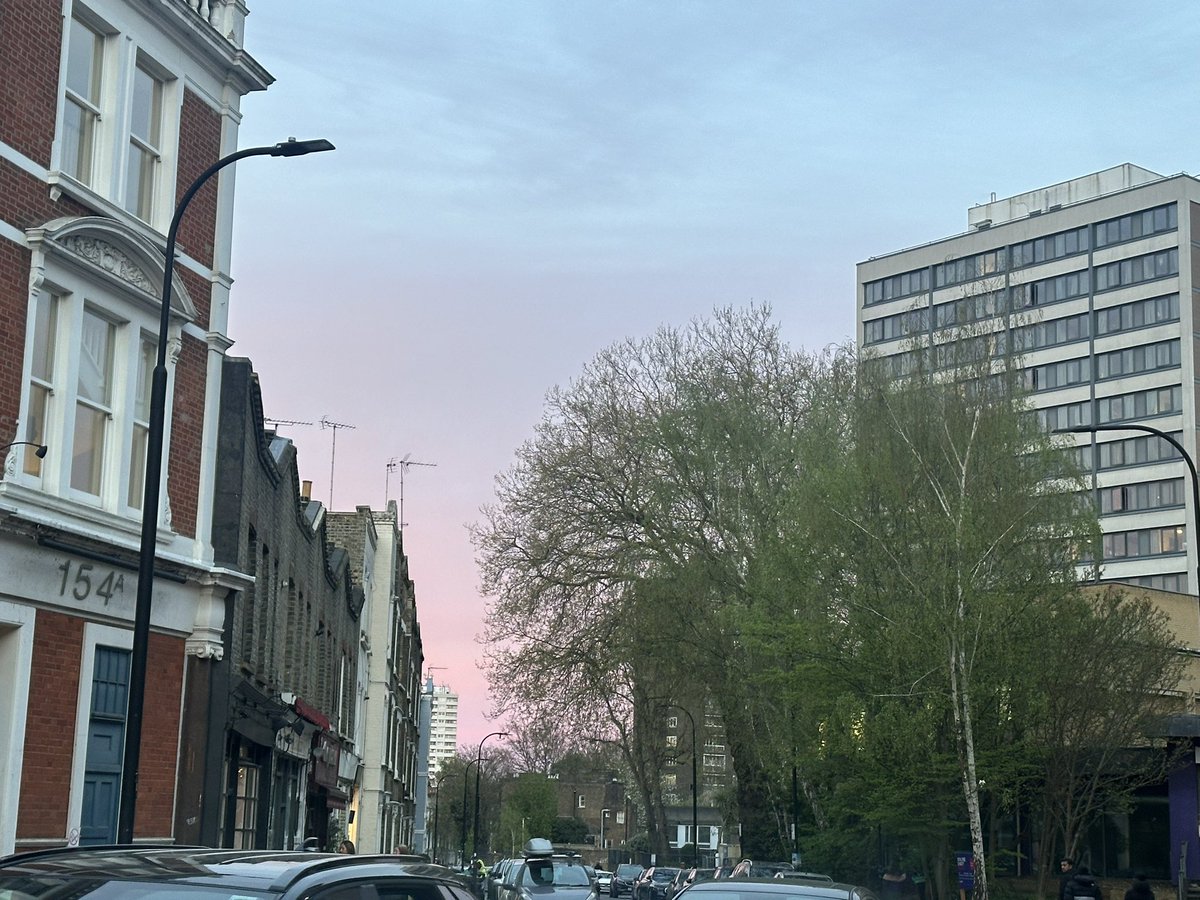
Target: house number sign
<point x="86" y="580"/>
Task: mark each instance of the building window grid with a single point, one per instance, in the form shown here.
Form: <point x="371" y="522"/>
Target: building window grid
<point x="1174" y="582"/>
<point x="1136" y="225"/>
<point x="1049" y="248"/>
<point x="1147" y="495"/>
<point x="1140" y="404"/>
<point x="895" y="287"/>
<point x="1137" y="269"/>
<point x="1138" y="314"/>
<point x="969" y="268"/>
<point x="1137" y="360"/>
<point x="1144" y="542"/>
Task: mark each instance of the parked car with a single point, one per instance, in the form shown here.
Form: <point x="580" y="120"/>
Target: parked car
<point x="724" y="871"/>
<point x="654" y="883"/>
<point x="542" y="873"/>
<point x="774" y="889"/>
<point x="695" y="875"/>
<point x="677" y="883"/>
<point x="623" y="879"/>
<point x="748" y="868"/>
<point x="793" y="875"/>
<point x="603" y="881"/>
<point x="495" y="877"/>
<point x="160" y="872"/>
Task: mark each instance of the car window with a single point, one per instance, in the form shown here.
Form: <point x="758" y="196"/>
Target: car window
<point x="378" y="889"/>
<point x="97" y="888"/>
<point x="556" y="872"/>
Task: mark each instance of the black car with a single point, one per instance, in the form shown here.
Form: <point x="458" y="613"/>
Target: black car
<point x="654" y="883"/>
<point x="194" y="873"/>
<point x="623" y="879"/>
<point x="773" y="889"/>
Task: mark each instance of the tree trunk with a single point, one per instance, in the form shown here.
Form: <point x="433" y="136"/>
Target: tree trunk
<point x="965" y="735"/>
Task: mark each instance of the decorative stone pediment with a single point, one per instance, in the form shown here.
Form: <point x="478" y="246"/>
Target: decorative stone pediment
<point x="110" y="258"/>
<point x="107" y="250"/>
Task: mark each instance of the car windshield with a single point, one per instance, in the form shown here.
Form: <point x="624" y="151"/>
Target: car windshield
<point x="559" y="873"/>
<point x="625" y="870"/>
<point x="661" y="875"/>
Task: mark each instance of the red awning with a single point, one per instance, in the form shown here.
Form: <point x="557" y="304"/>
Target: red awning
<point x="311" y="713"/>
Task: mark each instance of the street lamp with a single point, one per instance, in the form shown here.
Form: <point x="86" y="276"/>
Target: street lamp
<point x="1092" y="429"/>
<point x="153" y="478"/>
<point x="695" y="822"/>
<point x="462" y="847"/>
<point x="478" y="768"/>
<point x="40" y="452"/>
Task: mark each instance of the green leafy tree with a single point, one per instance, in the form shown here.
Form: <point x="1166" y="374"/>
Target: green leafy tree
<point x="644" y="501"/>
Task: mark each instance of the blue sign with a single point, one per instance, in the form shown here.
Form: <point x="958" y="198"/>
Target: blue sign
<point x="965" y="863"/>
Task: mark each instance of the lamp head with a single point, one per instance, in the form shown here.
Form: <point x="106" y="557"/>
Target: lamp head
<point x="40" y="452"/>
<point x="293" y="147"/>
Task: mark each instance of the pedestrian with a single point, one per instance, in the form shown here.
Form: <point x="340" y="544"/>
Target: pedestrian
<point x="1083" y="886"/>
<point x="1066" y="870"/>
<point x="346" y="846"/>
<point x="894" y="883"/>
<point x="1140" y="889"/>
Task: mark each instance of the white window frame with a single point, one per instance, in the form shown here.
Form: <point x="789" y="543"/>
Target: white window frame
<point x="113" y="142"/>
<point x="16" y="655"/>
<point x="95" y="264"/>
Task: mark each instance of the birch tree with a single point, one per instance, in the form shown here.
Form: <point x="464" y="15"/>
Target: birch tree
<point x="963" y="520"/>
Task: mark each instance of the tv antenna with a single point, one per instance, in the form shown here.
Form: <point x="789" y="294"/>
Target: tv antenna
<point x="267" y="421"/>
<point x="325" y="423"/>
<point x="402" y="465"/>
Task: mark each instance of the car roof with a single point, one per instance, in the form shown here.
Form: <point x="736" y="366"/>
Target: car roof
<point x="265" y="870"/>
<point x="778" y="886"/>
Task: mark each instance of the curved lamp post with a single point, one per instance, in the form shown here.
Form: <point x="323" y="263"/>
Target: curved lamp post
<point x="153" y="478"/>
<point x="1092" y="429"/>
<point x="695" y="818"/>
<point x="462" y="845"/>
<point x="437" y="805"/>
<point x="475" y="826"/>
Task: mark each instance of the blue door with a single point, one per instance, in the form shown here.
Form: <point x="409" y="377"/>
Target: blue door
<point x="105" y="747"/>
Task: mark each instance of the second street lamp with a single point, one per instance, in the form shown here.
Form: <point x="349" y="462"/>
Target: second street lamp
<point x="475" y="831"/>
<point x="1148" y="429"/>
<point x="156" y="426"/>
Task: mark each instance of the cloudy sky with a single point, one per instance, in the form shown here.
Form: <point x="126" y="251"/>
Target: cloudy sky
<point x="520" y="184"/>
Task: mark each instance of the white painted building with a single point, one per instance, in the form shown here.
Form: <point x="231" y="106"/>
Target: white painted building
<point x="1092" y="280"/>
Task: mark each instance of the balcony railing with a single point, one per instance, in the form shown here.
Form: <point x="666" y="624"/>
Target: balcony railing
<point x="224" y="16"/>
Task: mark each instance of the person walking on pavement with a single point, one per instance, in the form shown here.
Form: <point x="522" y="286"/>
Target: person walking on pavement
<point x="1083" y="886"/>
<point x="1066" y="871"/>
<point x="1140" y="889"/>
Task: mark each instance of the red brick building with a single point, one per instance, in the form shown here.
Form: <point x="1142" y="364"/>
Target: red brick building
<point x="109" y="109"/>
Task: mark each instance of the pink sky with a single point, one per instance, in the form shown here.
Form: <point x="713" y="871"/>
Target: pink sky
<point x="518" y="185"/>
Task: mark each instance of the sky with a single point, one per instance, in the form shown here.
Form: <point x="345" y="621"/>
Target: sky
<point x="518" y="185"/>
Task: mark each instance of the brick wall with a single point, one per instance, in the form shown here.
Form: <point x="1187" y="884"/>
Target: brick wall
<point x="160" y="737"/>
<point x="50" y="731"/>
<point x="30" y="41"/>
<point x="199" y="148"/>
<point x="50" y="726"/>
